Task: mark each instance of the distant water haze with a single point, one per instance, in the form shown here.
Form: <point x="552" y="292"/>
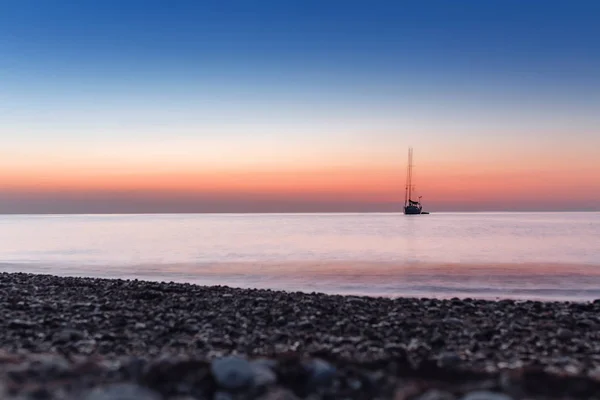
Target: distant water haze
<point x="486" y="255"/>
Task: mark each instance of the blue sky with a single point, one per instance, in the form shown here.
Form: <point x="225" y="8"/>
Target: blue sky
<point x="239" y="57"/>
<point x="347" y="79"/>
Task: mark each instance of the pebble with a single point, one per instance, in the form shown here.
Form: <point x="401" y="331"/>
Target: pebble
<point x="232" y="373"/>
<point x="564" y="333"/>
<point x="453" y="321"/>
<point x="435" y="394"/>
<point x="122" y="391"/>
<point x="265" y="362"/>
<point x="279" y="394"/>
<point x="485" y="395"/>
<point x="66" y="336"/>
<point x="222" y="396"/>
<point x="321" y="372"/>
<point x="373" y="346"/>
<point x="86" y="346"/>
<point x="20" y="324"/>
<point x="262" y="375"/>
<point x="449" y="359"/>
<point x="48" y="364"/>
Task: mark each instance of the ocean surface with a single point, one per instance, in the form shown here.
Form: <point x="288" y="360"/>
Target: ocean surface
<point x="549" y="256"/>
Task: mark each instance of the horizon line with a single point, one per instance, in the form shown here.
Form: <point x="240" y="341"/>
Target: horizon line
<point x="304" y="212"/>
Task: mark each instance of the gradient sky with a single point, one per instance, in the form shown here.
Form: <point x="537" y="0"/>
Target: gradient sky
<point x="241" y="106"/>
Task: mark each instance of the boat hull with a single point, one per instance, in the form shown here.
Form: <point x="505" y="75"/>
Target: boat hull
<point x="412" y="210"/>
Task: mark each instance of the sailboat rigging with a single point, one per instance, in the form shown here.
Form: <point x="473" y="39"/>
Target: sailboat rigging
<point x="411" y="207"/>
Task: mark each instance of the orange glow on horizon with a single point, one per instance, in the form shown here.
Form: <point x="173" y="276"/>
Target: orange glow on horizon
<point x="375" y="184"/>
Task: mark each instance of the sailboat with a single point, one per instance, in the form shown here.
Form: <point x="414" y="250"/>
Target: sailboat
<point x="411" y="207"/>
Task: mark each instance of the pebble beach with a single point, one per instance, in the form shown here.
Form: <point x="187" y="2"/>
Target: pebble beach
<point x="85" y="338"/>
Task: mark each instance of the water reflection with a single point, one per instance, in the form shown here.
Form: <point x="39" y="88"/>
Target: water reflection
<point x="552" y="255"/>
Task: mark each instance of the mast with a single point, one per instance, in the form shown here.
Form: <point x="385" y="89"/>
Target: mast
<point x="408" y="192"/>
<point x="406" y="183"/>
<point x="410" y="173"/>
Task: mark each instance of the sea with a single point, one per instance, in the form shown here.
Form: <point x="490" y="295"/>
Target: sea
<point x="541" y="256"/>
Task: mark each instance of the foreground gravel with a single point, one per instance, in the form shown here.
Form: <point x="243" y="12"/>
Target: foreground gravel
<point x="80" y="338"/>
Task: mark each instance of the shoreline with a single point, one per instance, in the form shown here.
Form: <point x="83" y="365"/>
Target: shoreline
<point x="314" y="344"/>
<point x="490" y="281"/>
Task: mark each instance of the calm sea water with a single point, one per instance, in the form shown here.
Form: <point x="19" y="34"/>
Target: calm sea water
<point x="486" y="255"/>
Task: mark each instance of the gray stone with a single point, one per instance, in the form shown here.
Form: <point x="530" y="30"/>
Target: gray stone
<point x="355" y="384"/>
<point x="222" y="396"/>
<point x="265" y="362"/>
<point x="321" y="372"/>
<point x="485" y="395"/>
<point x="262" y="375"/>
<point x="21" y="324"/>
<point x="279" y="394"/>
<point x="232" y="372"/>
<point x="435" y="394"/>
<point x="449" y="359"/>
<point x="86" y="346"/>
<point x="67" y="335"/>
<point x="122" y="391"/>
<point x="453" y="321"/>
<point x="564" y="333"/>
<point x="48" y="364"/>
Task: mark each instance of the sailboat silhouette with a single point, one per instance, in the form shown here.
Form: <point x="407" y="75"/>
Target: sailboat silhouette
<point x="411" y="207"/>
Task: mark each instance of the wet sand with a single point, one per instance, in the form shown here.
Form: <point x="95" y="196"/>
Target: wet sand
<point x="71" y="338"/>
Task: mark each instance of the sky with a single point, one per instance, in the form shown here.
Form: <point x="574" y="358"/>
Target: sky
<point x="121" y="106"/>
